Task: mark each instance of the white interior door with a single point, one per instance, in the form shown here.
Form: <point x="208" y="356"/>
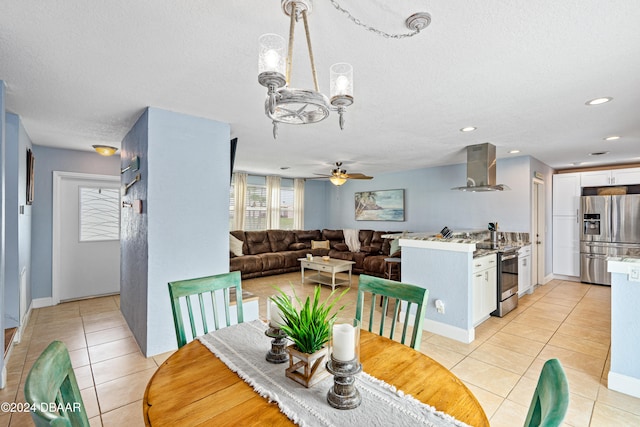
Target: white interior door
<point x="86" y="236"/>
<point x="539" y="227"/>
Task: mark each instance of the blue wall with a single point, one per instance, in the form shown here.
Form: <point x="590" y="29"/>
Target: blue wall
<point x="316" y="210"/>
<point x="185" y="176"/>
<point x="18" y="219"/>
<point x="47" y="161"/>
<point x="430" y="204"/>
<point x="2" y="214"/>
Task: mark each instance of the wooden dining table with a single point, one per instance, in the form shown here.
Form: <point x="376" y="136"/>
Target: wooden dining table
<point x="193" y="387"/>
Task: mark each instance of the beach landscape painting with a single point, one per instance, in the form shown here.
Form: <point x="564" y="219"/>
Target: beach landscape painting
<point x="382" y="205"/>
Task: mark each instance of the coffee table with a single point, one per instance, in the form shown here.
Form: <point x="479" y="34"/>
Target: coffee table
<point x="330" y="266"/>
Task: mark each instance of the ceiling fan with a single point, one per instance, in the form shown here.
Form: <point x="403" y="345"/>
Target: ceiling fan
<point x="340" y="176"/>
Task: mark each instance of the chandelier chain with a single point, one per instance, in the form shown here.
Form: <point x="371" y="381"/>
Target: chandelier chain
<point x="370" y="28"/>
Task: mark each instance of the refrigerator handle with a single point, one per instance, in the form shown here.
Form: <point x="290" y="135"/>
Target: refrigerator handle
<point x="577" y="216"/>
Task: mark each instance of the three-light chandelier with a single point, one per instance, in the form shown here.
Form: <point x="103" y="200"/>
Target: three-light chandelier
<point x="299" y="106"/>
<point x="287" y="105"/>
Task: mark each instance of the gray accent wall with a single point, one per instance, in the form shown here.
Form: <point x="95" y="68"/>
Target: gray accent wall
<point x="182" y="232"/>
<point x="49" y="160"/>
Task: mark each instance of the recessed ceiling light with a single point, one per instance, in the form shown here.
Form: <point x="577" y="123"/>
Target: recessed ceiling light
<point x="599" y="153"/>
<point x="468" y="129"/>
<point x="576" y="163"/>
<point x="598" y="101"/>
<point x="514" y="151"/>
<point x="612" y="138"/>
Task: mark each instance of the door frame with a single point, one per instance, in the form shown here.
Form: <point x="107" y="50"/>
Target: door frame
<point x="539" y="226"/>
<point x="58" y="178"/>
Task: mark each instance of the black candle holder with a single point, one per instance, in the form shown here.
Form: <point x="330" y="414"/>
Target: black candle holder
<point x="344" y="394"/>
<point x="278" y="352"/>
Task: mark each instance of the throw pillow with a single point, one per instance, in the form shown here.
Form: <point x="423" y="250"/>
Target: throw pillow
<point x="320" y="244"/>
<point x="297" y="246"/>
<point x="235" y="245"/>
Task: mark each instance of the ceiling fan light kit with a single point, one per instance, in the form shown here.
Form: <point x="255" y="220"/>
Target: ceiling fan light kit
<point x="285" y="104"/>
<point x="340" y="176"/>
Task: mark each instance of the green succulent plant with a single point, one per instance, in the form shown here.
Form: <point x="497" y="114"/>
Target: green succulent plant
<point x="308" y="327"/>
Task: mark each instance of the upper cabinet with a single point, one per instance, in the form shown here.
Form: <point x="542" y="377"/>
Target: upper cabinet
<point x="566" y="194"/>
<point x="610" y="177"/>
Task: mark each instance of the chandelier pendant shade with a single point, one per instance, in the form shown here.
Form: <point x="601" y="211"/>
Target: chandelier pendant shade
<point x="285" y="104"/>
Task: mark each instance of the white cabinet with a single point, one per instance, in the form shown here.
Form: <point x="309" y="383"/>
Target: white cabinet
<point x="595" y="178"/>
<point x="566" y="246"/>
<point x="625" y="176"/>
<point x="485" y="287"/>
<point x="566" y="237"/>
<point x="524" y="270"/>
<point x="629" y="176"/>
<point x="566" y="194"/>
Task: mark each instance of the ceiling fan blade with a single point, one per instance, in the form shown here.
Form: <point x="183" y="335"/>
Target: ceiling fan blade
<point x="321" y="175"/>
<point x="357" y="176"/>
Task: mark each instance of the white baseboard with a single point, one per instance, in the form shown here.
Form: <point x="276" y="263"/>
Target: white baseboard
<point x="463" y="335"/>
<point x="42" y="302"/>
<point x="562" y="277"/>
<point x="624" y="384"/>
<point x="3" y="377"/>
<point x="23" y="324"/>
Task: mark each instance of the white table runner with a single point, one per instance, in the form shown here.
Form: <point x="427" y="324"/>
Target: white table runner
<point x="243" y="348"/>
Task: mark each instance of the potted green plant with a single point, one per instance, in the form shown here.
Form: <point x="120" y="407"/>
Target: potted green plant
<point x="307" y="325"/>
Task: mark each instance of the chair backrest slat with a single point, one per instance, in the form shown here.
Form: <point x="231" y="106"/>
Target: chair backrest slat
<point x="411" y="294"/>
<point x="52" y="380"/>
<point x="184" y="289"/>
<point x="550" y="398"/>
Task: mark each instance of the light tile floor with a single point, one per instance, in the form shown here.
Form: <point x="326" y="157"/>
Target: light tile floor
<point x="567" y="320"/>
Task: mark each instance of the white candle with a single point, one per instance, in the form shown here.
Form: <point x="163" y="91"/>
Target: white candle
<point x="275" y="315"/>
<point x="344" y="342"/>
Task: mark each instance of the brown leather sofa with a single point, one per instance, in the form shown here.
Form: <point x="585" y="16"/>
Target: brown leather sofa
<point x="277" y="251"/>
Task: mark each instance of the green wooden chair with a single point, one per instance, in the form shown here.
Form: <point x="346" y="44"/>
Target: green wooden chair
<point x="208" y="301"/>
<point x="550" y="398"/>
<point x="411" y="294"/>
<point x="52" y="390"/>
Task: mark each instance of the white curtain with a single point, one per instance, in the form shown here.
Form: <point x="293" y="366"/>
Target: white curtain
<point x="273" y="202"/>
<point x="298" y="204"/>
<point x="239" y="197"/>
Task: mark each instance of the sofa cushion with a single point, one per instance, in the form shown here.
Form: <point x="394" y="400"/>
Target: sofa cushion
<point x="235" y="245"/>
<point x="306" y="236"/>
<point x="319" y="244"/>
<point x="257" y="242"/>
<point x="280" y="239"/>
<point x="365" y="237"/>
<point x="297" y="246"/>
<point x="341" y="247"/>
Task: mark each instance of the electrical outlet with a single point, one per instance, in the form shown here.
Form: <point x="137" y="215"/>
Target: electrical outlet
<point x="440" y="306"/>
<point x="634" y="274"/>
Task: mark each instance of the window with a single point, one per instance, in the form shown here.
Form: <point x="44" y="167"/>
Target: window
<point x="256" y="203"/>
<point x="286" y="204"/>
<point x="99" y="214"/>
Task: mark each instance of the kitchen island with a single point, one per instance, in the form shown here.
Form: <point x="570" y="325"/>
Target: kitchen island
<point x="448" y="269"/>
<point x="624" y="373"/>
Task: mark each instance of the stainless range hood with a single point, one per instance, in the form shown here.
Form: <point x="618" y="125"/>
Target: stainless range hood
<point x="481" y="169"/>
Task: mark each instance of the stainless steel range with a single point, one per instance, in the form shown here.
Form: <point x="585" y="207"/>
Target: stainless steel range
<point x="507" y="294"/>
<point x="507" y="281"/>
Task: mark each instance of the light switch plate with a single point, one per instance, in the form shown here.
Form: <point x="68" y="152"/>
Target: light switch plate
<point x="634" y="274"/>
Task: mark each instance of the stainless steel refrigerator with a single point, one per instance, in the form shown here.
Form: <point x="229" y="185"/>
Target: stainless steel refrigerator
<point x="610" y="227"/>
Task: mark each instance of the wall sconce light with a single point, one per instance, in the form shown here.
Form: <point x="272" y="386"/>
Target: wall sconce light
<point x="105" y="150"/>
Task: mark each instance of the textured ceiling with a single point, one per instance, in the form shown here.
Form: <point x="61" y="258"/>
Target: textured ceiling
<point x="80" y="72"/>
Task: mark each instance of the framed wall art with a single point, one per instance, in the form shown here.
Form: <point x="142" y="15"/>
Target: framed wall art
<point x="381" y="205"/>
<point x="30" y="176"/>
